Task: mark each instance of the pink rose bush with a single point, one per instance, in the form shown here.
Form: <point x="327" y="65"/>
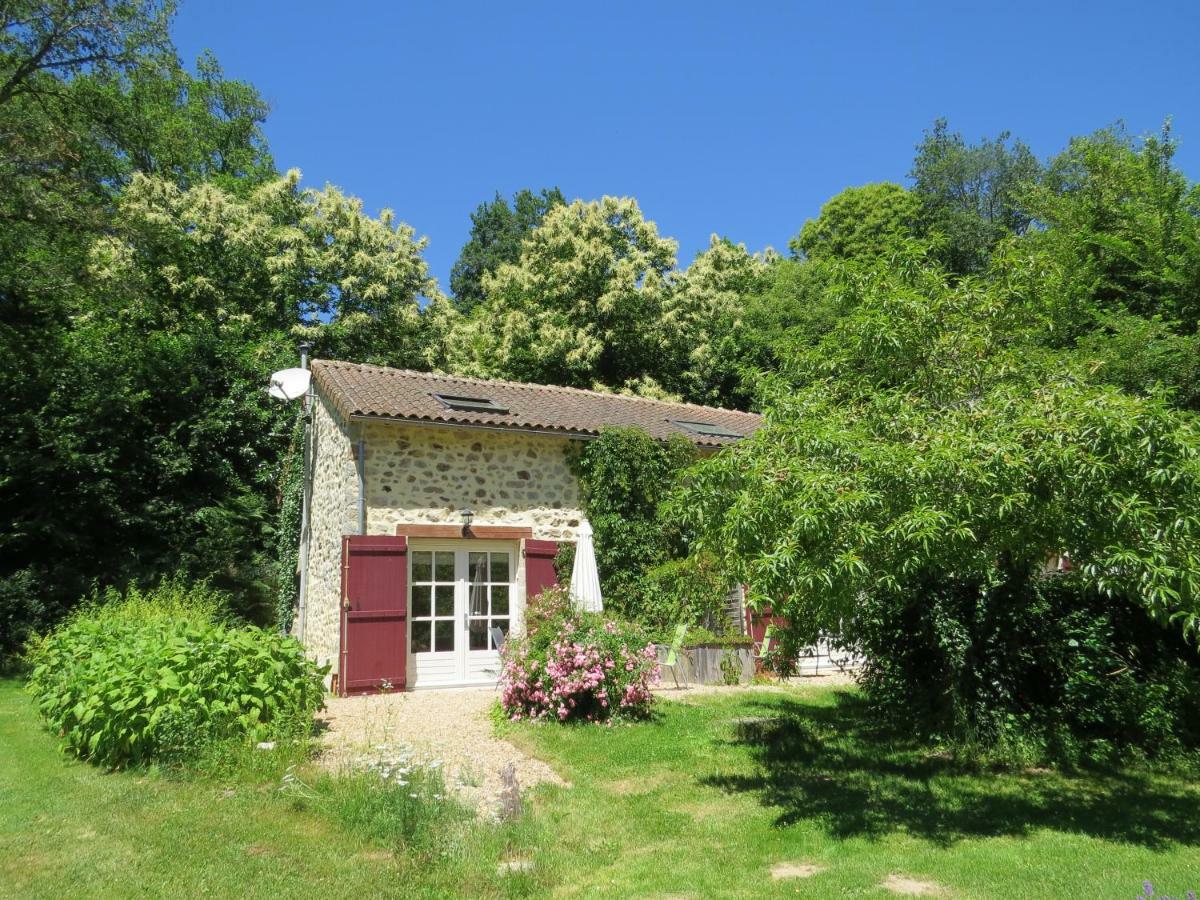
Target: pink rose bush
<point x="574" y="666"/>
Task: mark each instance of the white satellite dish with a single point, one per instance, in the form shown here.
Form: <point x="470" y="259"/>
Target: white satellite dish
<point x="289" y="384"/>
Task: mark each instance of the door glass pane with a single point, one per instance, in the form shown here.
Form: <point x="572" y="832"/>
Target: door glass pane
<point x="420" y="600"/>
<point x="477" y="598"/>
<point x="477" y="566"/>
<point x="500" y="567"/>
<point x="499" y="599"/>
<point x="443" y="635"/>
<point x="478" y="634"/>
<point x="420" y="637"/>
<point x="422" y="565"/>
<point x="445" y="566"/>
<point x="444" y="599"/>
<point x="502" y="624"/>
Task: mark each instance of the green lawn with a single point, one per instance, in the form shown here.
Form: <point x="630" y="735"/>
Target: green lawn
<point x="702" y="801"/>
<point x="68" y="829"/>
<point x="698" y="803"/>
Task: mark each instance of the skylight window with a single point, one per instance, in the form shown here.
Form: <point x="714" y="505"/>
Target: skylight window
<point x="470" y="404"/>
<point x="708" y="429"/>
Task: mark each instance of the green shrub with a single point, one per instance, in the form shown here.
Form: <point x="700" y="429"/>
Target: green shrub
<point x="647" y="574"/>
<point x="1052" y="670"/>
<point x="157" y="676"/>
<point x="688" y="591"/>
<point x="624" y="475"/>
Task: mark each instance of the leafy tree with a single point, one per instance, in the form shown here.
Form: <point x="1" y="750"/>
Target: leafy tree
<point x="582" y="306"/>
<point x="701" y="317"/>
<point x="157" y="433"/>
<point x="971" y="194"/>
<point x="791" y="310"/>
<point x="1123" y="226"/>
<point x="860" y="223"/>
<point x="62" y="38"/>
<point x="66" y="147"/>
<point x="927" y="447"/>
<point x="163" y="120"/>
<point x="359" y="282"/>
<point x="625" y="474"/>
<point x="497" y="231"/>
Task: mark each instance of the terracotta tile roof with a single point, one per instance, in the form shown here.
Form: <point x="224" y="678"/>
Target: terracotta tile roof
<point x="375" y="391"/>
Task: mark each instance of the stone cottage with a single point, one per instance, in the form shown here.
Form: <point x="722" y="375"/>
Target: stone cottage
<point x="436" y="505"/>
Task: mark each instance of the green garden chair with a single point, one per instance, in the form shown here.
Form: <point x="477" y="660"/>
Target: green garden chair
<point x="765" y="647"/>
<point x="672" y="659"/>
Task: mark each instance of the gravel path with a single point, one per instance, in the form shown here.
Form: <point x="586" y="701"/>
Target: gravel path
<point x="451" y="725"/>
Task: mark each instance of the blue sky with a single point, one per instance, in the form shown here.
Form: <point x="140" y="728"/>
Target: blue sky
<point x="734" y="118"/>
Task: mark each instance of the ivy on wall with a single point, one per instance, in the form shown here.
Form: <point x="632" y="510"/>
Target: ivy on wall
<point x="625" y="475"/>
<point x="287" y="529"/>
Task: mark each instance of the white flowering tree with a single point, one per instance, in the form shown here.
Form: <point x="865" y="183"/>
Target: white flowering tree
<point x="703" y="318"/>
<point x="192" y="296"/>
<point x="582" y="307"/>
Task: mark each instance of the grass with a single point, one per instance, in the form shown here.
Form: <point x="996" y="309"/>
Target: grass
<point x="71" y="829"/>
<point x="708" y="797"/>
<point x="702" y="801"/>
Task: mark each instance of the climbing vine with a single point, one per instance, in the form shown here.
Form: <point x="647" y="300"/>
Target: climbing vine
<point x="287" y="529"/>
<point x="625" y="475"/>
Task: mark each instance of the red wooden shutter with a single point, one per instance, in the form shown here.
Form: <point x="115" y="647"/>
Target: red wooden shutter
<point x="539" y="566"/>
<point x="374" y="613"/>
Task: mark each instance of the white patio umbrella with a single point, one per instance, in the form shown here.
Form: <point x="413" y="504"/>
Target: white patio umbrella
<point x="585" y="580"/>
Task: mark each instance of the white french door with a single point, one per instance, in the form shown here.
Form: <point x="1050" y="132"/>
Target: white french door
<point x="462" y="596"/>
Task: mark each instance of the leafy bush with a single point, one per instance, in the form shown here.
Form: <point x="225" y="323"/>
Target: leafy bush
<point x="624" y="475"/>
<point x="688" y="591"/>
<point x="1052" y="670"/>
<point x="575" y="666"/>
<point x="157" y="676"/>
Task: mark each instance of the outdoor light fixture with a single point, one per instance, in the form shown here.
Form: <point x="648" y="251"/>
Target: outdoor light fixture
<point x="467" y="516"/>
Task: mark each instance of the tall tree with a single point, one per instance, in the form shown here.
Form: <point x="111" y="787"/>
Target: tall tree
<point x="702" y="320"/>
<point x="497" y="231"/>
<point x="859" y="223"/>
<point x="1124" y="223"/>
<point x="158" y="433"/>
<point x="582" y="306"/>
<point x="64" y="38"/>
<point x="918" y="468"/>
<point x="972" y="195"/>
<point x="152" y="268"/>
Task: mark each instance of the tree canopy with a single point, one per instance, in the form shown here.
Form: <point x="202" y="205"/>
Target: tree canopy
<point x="860" y="223"/>
<point x="582" y="306"/>
<point x="497" y="231"/>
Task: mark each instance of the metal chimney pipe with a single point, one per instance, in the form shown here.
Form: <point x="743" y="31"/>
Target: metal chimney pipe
<point x="304" y="351"/>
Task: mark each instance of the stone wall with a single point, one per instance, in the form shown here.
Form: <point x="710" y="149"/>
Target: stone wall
<point x="426" y="474"/>
<point x="334" y="513"/>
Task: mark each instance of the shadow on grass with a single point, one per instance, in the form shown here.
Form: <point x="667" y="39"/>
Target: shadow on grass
<point x="831" y="765"/>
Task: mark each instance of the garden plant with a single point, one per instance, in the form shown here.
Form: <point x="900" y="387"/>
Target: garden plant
<point x="576" y="666"/>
